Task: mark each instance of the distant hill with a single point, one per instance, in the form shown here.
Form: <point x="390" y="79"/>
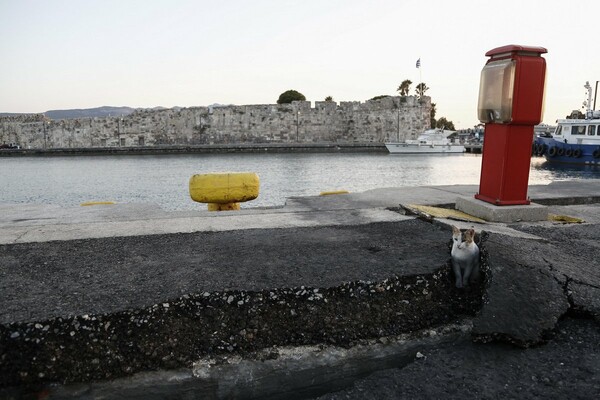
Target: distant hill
<point x="105" y="111"/>
<point x="98" y="112"/>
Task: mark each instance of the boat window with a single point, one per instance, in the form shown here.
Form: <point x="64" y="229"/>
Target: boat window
<point x="558" y="130"/>
<point x="578" y="130"/>
<point x="592" y="130"/>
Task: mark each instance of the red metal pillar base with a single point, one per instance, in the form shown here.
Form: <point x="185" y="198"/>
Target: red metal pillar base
<point x="505" y="164"/>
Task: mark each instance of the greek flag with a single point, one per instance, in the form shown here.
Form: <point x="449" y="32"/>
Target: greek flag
<point x="419" y="63"/>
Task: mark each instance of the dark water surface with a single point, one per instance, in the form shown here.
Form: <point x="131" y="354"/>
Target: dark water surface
<point x="163" y="180"/>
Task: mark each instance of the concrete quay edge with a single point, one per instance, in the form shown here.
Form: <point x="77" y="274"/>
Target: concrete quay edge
<point x="23" y="223"/>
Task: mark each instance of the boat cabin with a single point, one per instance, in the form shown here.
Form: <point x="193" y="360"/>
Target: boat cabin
<point x="578" y="131"/>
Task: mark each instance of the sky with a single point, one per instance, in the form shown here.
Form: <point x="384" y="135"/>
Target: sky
<point x="63" y="54"/>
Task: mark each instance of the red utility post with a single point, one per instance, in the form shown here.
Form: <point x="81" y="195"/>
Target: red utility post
<point x="511" y="100"/>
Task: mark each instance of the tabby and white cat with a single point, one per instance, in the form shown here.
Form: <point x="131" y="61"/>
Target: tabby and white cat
<point x="465" y="256"/>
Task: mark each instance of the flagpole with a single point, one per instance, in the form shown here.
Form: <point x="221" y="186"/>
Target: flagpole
<point x="420" y="78"/>
<point x="421" y="84"/>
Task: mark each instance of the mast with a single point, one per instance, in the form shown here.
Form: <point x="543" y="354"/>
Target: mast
<point x="589" y="111"/>
<point x="595" y="95"/>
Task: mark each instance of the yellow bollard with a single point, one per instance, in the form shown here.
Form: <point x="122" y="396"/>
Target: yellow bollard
<point x="223" y="207"/>
<point x="224" y="191"/>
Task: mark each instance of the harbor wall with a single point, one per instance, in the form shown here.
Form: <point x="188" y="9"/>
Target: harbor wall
<point x="373" y="121"/>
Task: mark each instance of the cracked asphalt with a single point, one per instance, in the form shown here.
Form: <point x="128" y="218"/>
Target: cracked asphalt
<point x="541" y="305"/>
<point x="549" y="290"/>
<point x="566" y="367"/>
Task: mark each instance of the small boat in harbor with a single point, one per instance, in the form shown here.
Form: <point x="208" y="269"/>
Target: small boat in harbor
<point x="575" y="141"/>
<point x="430" y="141"/>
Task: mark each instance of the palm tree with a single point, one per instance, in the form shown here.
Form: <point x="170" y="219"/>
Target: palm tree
<point x="421" y="89"/>
<point x="404" y="87"/>
<point x="328" y="98"/>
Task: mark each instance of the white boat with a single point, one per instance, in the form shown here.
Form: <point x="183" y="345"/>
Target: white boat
<point x="430" y="141"/>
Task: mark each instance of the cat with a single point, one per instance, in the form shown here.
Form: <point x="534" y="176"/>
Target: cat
<point x="465" y="257"/>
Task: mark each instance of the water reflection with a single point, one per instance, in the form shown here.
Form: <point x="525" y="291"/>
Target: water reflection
<point x="557" y="171"/>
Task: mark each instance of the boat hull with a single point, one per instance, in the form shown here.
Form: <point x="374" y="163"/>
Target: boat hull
<point x="404" y="148"/>
<point x="559" y="152"/>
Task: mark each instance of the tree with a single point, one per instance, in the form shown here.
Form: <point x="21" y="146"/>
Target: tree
<point x="443" y="123"/>
<point x="328" y="98"/>
<point x="404" y="87"/>
<point x="421" y="89"/>
<point x="383" y="96"/>
<point x="290" y="95"/>
<point x="432" y="115"/>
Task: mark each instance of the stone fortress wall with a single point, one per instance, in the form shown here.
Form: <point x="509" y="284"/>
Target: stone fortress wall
<point x="389" y="118"/>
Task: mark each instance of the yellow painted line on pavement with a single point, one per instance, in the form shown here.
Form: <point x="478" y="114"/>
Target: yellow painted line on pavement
<point x="439" y="212"/>
<point x="565" y="219"/>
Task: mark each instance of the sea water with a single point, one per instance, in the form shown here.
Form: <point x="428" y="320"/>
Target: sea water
<point x="163" y="179"/>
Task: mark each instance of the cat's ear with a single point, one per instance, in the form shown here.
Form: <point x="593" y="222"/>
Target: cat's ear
<point x="471" y="232"/>
<point x="455" y="229"/>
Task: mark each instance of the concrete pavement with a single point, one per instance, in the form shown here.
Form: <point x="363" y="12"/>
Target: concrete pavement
<point x="108" y="292"/>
